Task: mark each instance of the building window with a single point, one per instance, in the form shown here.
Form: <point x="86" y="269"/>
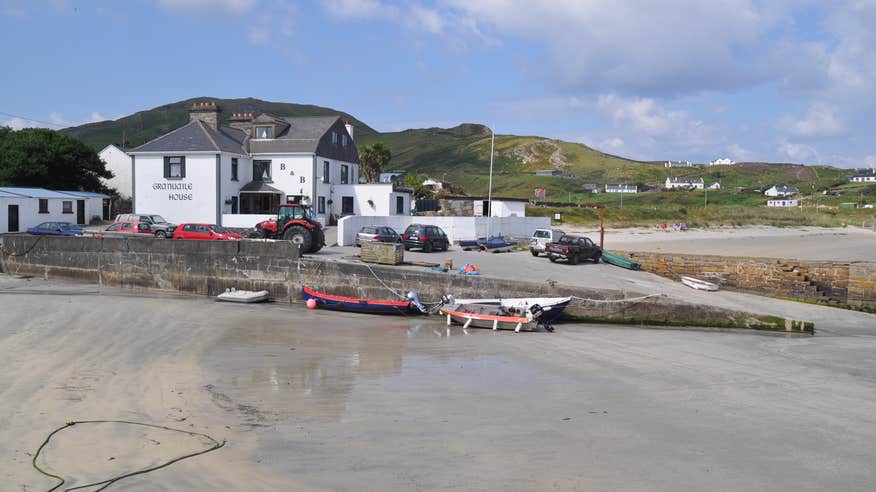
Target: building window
<point x="175" y="167"/>
<point x="44" y="206"/>
<point x="344" y="140"/>
<point x="264" y="132"/>
<point x="345" y="174"/>
<point x="335" y="138"/>
<point x="347" y="205"/>
<point x="234" y="169"/>
<point x="326" y="168"/>
<point x="261" y="171"/>
<point x="400" y="205"/>
<point x="320" y="205"/>
<point x="67" y="207"/>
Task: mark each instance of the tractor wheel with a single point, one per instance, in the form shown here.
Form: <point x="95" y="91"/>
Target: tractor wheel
<point x="318" y="240"/>
<point x="300" y="236"/>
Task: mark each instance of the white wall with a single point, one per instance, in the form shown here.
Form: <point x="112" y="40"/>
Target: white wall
<point x="508" y="209"/>
<point x="195" y="203"/>
<point x="244" y="220"/>
<point x="292" y="174"/>
<point x="29" y="211"/>
<point x="381" y="195"/>
<point x="119" y="163"/>
<point x="456" y="228"/>
<point x="231" y="188"/>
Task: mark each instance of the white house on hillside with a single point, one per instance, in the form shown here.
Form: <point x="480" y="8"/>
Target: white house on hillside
<point x="781" y="191"/>
<point x="119" y="162"/>
<point x="783" y="202"/>
<point x="621" y="188"/>
<point x="684" y="183"/>
<point x="715" y="186"/>
<point x="239" y="174"/>
<point x="863" y="176"/>
<point x="722" y="162"/>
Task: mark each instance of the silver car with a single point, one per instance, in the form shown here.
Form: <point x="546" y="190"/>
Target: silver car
<point x="381" y="234"/>
<point x="541" y="237"/>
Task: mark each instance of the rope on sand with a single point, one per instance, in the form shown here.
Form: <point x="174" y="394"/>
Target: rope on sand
<point x="629" y="299"/>
<point x="106" y="483"/>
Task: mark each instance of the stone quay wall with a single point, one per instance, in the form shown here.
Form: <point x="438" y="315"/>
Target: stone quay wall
<point x="850" y="284"/>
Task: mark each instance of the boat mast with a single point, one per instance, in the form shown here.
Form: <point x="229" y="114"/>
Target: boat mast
<point x="490" y="189"/>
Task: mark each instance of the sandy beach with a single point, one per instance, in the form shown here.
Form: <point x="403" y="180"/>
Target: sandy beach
<point x="315" y="400"/>
<point x="810" y="243"/>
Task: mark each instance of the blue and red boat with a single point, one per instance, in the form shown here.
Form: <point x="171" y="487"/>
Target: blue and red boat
<point x="361" y="305"/>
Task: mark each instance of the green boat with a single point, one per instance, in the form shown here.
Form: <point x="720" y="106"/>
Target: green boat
<point x="620" y="261"/>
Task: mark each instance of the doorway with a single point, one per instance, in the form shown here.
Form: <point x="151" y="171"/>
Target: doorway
<point x="13" y="218"/>
<point x="80" y="212"/>
<point x="106" y="209"/>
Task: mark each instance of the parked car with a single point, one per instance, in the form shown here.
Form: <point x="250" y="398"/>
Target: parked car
<point x="159" y="227"/>
<point x="427" y="237"/>
<point x="56" y="229"/>
<point x="380" y="234"/>
<point x="204" y="232"/>
<point x="573" y="249"/>
<point x="126" y="229"/>
<point x="541" y="237"/>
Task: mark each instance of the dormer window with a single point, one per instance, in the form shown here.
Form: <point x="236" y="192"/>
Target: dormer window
<point x="335" y="138"/>
<point x="344" y="140"/>
<point x="264" y="132"/>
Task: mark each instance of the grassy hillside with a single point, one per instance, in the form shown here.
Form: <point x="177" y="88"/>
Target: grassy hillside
<point x="143" y="126"/>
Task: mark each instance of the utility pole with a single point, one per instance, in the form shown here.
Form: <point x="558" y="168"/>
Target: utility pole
<point x="706" y="204"/>
<point x="490" y="188"/>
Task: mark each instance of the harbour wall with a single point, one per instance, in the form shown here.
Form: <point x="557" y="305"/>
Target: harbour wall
<point x="847" y="284"/>
<point x="210" y="267"/>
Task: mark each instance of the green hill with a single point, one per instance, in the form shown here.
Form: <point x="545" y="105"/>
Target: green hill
<point x="461" y="155"/>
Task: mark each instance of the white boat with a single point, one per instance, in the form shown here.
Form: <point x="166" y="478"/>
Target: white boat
<point x="493" y="316"/>
<point x="244" y="296"/>
<point x="695" y="283"/>
<point x="553" y="306"/>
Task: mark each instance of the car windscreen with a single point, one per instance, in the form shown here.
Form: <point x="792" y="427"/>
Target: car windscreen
<point x="413" y="231"/>
<point x="219" y="229"/>
<point x="157" y="219"/>
<point x="567" y="240"/>
<point x="69" y="227"/>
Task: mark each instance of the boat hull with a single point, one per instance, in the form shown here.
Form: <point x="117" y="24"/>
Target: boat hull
<point x="695" y="283"/>
<point x="358" y="305"/>
<point x="486" y="316"/>
<point x="620" y="261"/>
<point x="553" y="306"/>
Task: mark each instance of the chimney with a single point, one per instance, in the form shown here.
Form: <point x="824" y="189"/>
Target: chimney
<point x="349" y="129"/>
<point x="206" y="111"/>
<point x="241" y="121"/>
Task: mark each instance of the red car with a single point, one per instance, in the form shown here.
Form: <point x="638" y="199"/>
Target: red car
<point x="204" y="232"/>
<point x="126" y="229"/>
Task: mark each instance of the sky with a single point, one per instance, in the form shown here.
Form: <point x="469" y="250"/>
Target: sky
<point x="763" y="80"/>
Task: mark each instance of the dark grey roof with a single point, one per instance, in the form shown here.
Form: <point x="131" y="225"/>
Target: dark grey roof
<point x="302" y="135"/>
<point x="196" y="137"/>
<point x="259" y="187"/>
<point x="865" y="172"/>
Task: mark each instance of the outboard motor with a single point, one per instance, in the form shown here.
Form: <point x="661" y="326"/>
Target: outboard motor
<point x="448" y="299"/>
<point x="537" y="312"/>
<point x="415" y="300"/>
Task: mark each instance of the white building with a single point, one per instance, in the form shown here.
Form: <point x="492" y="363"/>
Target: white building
<point x="715" y="186"/>
<point x="119" y="163"/>
<point x="863" y="176"/>
<point x="684" y="183"/>
<point x="783" y="202"/>
<point x="621" y="188"/>
<point x="678" y="164"/>
<point x="21" y="208"/>
<point x="781" y="191"/>
<point x="239" y="174"/>
<point x="722" y="162"/>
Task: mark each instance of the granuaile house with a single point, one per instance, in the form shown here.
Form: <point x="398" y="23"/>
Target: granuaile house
<point x="237" y="175"/>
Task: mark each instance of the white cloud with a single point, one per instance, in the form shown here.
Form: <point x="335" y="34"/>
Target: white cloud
<point x="209" y="8"/>
<point x="423" y="19"/>
<point x="613" y="144"/>
<point x="797" y="152"/>
<point x="55" y="121"/>
<point x="360" y="9"/>
<point x="820" y="120"/>
<point x="740" y="153"/>
<point x="870" y="161"/>
<point x="18" y="123"/>
<point x="95" y="117"/>
<point x="644" y="115"/>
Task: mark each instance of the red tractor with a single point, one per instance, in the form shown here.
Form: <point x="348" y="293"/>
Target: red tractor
<point x="295" y="223"/>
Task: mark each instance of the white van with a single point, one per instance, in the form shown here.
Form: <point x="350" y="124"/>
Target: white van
<point x="541" y="237"/>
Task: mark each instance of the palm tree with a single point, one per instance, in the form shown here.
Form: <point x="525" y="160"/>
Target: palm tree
<point x="372" y="159"/>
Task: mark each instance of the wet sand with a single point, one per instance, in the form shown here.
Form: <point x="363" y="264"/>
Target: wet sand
<point x="315" y="400"/>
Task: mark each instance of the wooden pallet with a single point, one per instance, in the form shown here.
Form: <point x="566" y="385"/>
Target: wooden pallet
<point x="383" y="253"/>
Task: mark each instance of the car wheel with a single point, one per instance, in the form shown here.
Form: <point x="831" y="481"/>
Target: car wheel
<point x="552" y="258"/>
<point x="427" y="248"/>
<point x="160" y="234"/>
<point x="534" y="252"/>
<point x="573" y="260"/>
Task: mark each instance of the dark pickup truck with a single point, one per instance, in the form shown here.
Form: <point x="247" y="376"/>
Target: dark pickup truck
<point x="573" y="249"/>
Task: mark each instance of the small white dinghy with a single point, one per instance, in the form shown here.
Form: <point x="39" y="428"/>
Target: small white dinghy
<point x="244" y="296"/>
<point x="695" y="283"/>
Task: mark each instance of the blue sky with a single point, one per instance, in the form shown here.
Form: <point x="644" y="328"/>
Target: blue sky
<point x="778" y="80"/>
